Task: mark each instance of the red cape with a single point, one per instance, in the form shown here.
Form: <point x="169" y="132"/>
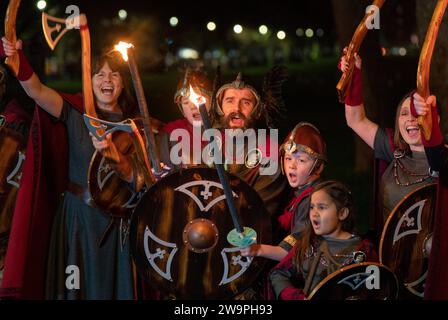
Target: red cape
<point x="286" y="219"/>
<point x="14" y="113"/>
<point x="44" y="179"/>
<point x="436" y="284"/>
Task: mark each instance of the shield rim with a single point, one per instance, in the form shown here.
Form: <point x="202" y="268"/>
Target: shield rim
<point x="351" y="266"/>
<point x="262" y="262"/>
<point x="393" y="212"/>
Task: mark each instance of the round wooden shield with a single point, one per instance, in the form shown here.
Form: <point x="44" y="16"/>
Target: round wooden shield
<point x="360" y="281"/>
<point x="179" y="230"/>
<point x="406" y="239"/>
<point x="11" y="159"/>
<point x="12" y="151"/>
<point x="110" y="193"/>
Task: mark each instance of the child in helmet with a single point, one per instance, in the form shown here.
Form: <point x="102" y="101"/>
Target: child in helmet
<point x="303" y="156"/>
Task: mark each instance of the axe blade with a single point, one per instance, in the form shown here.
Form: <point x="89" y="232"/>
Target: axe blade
<point x="60" y="28"/>
<point x="100" y="128"/>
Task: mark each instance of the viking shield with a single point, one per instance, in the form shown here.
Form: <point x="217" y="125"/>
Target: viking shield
<point x="12" y="151"/>
<point x="109" y="192"/>
<point x="360" y="281"/>
<point x="178" y="235"/>
<point x="406" y="239"/>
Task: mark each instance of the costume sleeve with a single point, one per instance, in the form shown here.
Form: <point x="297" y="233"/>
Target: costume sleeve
<point x="288" y="242"/>
<point x="66" y="112"/>
<point x="301" y="215"/>
<point x="281" y="279"/>
<point x="382" y="145"/>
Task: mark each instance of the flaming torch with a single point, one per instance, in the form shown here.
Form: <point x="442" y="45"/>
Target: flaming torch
<point x="239" y="237"/>
<point x="128" y="56"/>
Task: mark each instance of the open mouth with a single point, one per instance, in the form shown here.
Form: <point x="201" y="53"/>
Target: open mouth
<point x="107" y="91"/>
<point x="413" y="130"/>
<point x="315" y="223"/>
<point x="236" y="120"/>
<point x="292" y="176"/>
<point x="197" y="116"/>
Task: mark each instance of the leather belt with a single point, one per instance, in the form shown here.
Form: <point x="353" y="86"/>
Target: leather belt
<point x="81" y="193"/>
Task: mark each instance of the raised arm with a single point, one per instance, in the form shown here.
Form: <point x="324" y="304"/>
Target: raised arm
<point x="435" y="149"/>
<point x="47" y="98"/>
<point x="355" y="114"/>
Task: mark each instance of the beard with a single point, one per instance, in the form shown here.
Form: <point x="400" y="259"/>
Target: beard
<point x="249" y="122"/>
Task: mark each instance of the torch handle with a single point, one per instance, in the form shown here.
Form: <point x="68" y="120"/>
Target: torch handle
<point x="222" y="176"/>
<point x="149" y="133"/>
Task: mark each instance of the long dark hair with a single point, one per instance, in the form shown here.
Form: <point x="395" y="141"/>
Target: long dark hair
<point x="126" y="100"/>
<point x="341" y="195"/>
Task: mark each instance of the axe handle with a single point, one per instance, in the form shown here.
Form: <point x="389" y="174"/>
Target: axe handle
<point x="89" y="102"/>
<point x="10" y="33"/>
<point x="142" y="155"/>
<point x="141" y="99"/>
<point x="358" y="37"/>
<point x="424" y="64"/>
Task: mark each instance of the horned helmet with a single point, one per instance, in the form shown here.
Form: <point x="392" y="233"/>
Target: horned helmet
<point x="239" y="84"/>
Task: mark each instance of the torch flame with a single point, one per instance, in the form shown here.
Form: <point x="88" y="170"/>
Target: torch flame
<point x="196" y="98"/>
<point x="123" y="47"/>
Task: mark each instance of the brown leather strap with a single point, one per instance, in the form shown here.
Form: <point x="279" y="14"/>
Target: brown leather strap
<point x="312" y="272"/>
<point x="81" y="193"/>
<point x="106" y="232"/>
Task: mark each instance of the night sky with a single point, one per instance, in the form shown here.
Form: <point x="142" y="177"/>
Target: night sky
<point x="276" y="13"/>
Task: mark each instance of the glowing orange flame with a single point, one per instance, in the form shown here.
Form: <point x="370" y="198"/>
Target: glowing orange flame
<point x="123" y="47"/>
<point x="196" y="98"/>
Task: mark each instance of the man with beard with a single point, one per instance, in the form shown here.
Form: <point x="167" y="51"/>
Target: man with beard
<point x="238" y="107"/>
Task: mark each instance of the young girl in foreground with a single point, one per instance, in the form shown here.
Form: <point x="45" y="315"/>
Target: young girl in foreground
<point x="327" y="244"/>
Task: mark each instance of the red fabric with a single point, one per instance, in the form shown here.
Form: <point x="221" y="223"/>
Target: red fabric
<point x="286" y="218"/>
<point x="43" y="181"/>
<point x="2" y="51"/>
<point x="369" y="249"/>
<point x="178" y="124"/>
<point x="436" y="284"/>
<point x="354" y="95"/>
<point x="14" y="113"/>
<point x="183" y="124"/>
<point x="412" y="105"/>
<point x="286" y="263"/>
<point x="292" y="293"/>
<point x="25" y="70"/>
<point x="436" y="138"/>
